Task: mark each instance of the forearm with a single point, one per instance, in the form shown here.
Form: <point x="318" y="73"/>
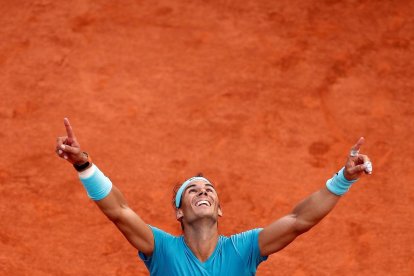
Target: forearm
<point x="100" y="189"/>
<point x="108" y="198"/>
<point x="314" y="208"/>
<point x="113" y="204"/>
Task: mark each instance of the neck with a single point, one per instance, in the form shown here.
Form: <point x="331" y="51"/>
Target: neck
<point x="202" y="239"/>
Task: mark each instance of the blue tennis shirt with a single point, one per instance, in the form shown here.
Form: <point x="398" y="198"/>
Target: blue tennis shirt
<point x="235" y="255"/>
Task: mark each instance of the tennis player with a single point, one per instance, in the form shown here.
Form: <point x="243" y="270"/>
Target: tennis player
<point x="201" y="250"/>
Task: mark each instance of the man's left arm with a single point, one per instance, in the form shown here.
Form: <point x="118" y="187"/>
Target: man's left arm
<point x="314" y="208"/>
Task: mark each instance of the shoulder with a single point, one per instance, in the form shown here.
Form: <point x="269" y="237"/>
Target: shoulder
<point x="161" y="236"/>
<point x="244" y="240"/>
<point x="247" y="235"/>
<point x="163" y="242"/>
<point x="158" y="231"/>
<point x="246" y="246"/>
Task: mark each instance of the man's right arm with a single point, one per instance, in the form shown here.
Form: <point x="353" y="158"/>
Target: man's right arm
<point x="107" y="196"/>
<point x="135" y="230"/>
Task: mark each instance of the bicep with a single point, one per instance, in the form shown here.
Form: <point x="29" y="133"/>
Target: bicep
<point x="278" y="235"/>
<point x="135" y="230"/>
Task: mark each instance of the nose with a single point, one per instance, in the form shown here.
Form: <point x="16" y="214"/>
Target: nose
<point x="202" y="191"/>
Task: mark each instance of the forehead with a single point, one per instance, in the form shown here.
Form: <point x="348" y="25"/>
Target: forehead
<point x="199" y="184"/>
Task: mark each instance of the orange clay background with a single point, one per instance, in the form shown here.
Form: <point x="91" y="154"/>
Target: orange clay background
<point x="264" y="97"/>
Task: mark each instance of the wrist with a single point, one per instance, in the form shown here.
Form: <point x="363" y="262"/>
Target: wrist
<point x="339" y="184"/>
<point x="347" y="176"/>
<point x="84" y="163"/>
<point x="97" y="185"/>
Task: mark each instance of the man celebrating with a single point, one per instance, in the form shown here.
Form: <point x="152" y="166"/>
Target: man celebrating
<point x="200" y="250"/>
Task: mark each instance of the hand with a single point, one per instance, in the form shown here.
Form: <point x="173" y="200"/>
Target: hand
<point x="68" y="148"/>
<point x="357" y="163"/>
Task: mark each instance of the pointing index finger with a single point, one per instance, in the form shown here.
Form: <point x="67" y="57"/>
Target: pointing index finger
<point x="358" y="145"/>
<point x="68" y="127"/>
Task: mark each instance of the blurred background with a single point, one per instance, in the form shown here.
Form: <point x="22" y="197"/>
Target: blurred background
<point x="264" y="97"/>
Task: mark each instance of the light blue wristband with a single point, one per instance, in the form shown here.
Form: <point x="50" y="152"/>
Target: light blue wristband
<point x="338" y="184"/>
<point x="97" y="185"/>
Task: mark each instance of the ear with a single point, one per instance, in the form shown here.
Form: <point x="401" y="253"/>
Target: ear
<point x="220" y="212"/>
<point x="179" y="214"/>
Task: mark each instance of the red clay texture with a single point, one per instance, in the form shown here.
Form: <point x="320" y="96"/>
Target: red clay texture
<point x="264" y="97"/>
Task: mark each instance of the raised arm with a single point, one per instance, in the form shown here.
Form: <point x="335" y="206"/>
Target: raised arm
<point x="106" y="195"/>
<point x="314" y="208"/>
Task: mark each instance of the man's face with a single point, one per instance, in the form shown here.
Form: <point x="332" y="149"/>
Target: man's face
<point x="199" y="200"/>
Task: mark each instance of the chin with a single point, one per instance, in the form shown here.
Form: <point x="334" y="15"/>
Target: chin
<point x="205" y="213"/>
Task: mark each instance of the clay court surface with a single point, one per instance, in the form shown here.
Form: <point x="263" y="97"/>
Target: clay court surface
<point x="264" y="97"/>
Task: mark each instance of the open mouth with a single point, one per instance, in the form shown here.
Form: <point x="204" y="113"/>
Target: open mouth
<point x="203" y="203"/>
